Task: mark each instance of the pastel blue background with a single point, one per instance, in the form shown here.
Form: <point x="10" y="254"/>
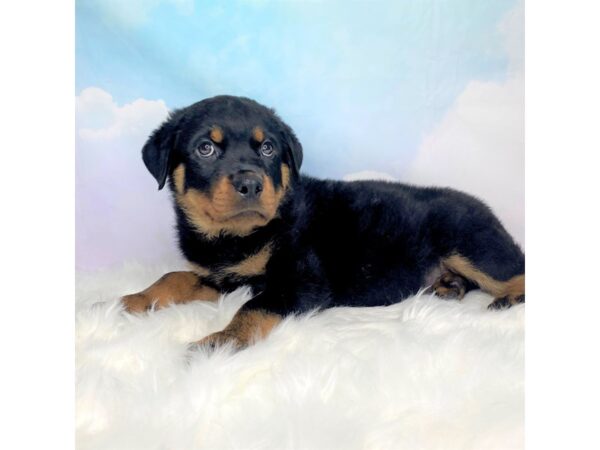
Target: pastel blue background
<point x="367" y="85"/>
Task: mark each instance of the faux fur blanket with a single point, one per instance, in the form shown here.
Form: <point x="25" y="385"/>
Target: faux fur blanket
<point x="422" y="374"/>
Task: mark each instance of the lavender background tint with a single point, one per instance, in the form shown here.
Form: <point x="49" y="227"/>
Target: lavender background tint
<point x="427" y="92"/>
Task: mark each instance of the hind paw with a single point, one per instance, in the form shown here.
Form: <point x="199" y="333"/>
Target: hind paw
<point x="506" y="301"/>
<point x="449" y="286"/>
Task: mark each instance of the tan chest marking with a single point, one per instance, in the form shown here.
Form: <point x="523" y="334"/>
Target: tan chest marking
<point x="253" y="265"/>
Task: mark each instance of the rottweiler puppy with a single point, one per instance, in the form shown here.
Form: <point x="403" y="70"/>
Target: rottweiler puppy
<point x="246" y="216"/>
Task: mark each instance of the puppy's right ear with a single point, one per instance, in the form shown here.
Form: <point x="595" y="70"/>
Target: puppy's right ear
<point x="158" y="150"/>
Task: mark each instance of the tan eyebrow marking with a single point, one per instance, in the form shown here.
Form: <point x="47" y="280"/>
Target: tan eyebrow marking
<point x="258" y="134"/>
<point x="216" y="134"/>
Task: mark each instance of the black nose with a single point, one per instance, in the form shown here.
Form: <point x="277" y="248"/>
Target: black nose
<point x="248" y="185"/>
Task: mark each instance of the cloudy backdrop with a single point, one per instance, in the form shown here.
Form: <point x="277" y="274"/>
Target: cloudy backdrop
<point x="428" y="92"/>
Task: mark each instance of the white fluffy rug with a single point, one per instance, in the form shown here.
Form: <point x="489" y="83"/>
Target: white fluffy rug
<point x="422" y="374"/>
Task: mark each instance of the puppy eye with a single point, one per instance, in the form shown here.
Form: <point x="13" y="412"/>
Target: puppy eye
<point x="206" y="149"/>
<point x="267" y="149"/>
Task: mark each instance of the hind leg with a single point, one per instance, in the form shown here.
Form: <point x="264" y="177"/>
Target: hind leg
<point x="507" y="292"/>
<point x="474" y="244"/>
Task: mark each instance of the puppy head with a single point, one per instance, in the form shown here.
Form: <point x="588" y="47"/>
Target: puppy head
<point x="229" y="160"/>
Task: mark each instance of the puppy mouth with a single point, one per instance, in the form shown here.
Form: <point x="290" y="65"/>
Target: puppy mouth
<point x="247" y="213"/>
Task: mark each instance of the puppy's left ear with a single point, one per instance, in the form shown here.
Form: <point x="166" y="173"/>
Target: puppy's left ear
<point x="294" y="149"/>
<point x="157" y="152"/>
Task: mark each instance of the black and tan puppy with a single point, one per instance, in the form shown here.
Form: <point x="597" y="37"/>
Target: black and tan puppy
<point x="245" y="216"/>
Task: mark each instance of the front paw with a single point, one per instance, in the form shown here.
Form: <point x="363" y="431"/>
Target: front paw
<point x="136" y="303"/>
<point x="218" y="339"/>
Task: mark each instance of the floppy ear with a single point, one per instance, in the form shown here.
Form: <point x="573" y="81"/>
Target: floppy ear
<point x="158" y="150"/>
<point x="294" y="149"/>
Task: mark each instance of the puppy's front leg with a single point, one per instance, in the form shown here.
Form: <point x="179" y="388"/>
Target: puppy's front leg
<point x="246" y="327"/>
<point x="254" y="321"/>
<point x="174" y="287"/>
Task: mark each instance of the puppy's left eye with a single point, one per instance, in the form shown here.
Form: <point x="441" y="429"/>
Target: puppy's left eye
<point x="205" y="149"/>
<point x="267" y="149"/>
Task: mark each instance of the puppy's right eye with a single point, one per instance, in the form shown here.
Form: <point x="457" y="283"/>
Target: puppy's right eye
<point x="205" y="149"/>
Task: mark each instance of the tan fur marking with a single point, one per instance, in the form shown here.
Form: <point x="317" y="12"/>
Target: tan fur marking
<point x="245" y="328"/>
<point x="258" y="134"/>
<point x="253" y="265"/>
<point x="199" y="270"/>
<point x="211" y="214"/>
<point x="285" y="176"/>
<point x="174" y="287"/>
<point x="216" y="134"/>
<point x="271" y="197"/>
<point x="461" y="265"/>
<point x="216" y="213"/>
<point x="179" y="178"/>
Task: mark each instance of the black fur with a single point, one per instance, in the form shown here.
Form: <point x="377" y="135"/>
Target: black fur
<point x="361" y="243"/>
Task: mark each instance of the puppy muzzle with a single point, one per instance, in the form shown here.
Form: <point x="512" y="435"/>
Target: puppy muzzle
<point x="248" y="185"/>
